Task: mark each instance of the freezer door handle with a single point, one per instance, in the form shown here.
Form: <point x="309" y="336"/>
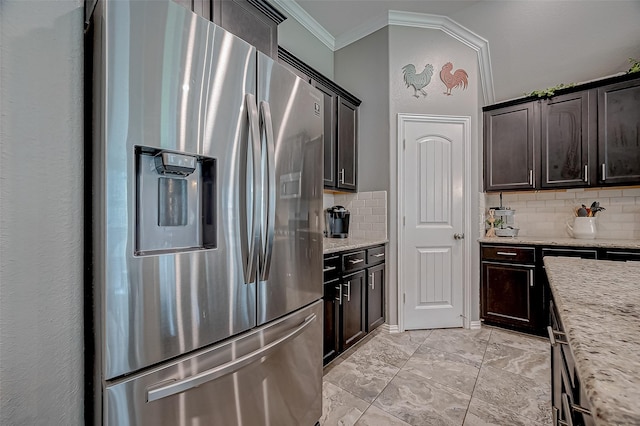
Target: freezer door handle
<point x="253" y="151"/>
<point x="269" y="226"/>
<point x="173" y="388"/>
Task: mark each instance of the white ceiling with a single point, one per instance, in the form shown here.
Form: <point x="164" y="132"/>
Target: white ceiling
<point x="533" y="44"/>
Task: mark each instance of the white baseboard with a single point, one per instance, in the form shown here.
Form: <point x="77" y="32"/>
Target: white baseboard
<point x="474" y="325"/>
<point x="388" y="328"/>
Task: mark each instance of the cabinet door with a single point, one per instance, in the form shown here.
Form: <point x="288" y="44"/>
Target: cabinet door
<point x="375" y="297"/>
<point x="509" y="295"/>
<point x="353" y="309"/>
<point x="509" y="147"/>
<point x="568" y="132"/>
<point x="619" y="133"/>
<point x="330" y="155"/>
<point x="332" y="302"/>
<point x="347" y="160"/>
<point x="620" y="255"/>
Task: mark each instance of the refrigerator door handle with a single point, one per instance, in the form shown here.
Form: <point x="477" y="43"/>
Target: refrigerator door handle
<point x="173" y="388"/>
<point x="253" y="151"/>
<point x="269" y="225"/>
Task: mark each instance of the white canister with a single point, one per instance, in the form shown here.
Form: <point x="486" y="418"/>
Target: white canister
<point x="583" y="228"/>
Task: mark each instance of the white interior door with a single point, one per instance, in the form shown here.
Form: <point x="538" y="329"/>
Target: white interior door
<point x="432" y="214"/>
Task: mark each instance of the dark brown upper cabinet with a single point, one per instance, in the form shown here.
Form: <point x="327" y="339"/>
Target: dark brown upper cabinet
<point x="340" y="127"/>
<point x="347" y="146"/>
<point x="509" y="147"/>
<point x="330" y="156"/>
<point x="585" y="136"/>
<point x="568" y="140"/>
<point x="619" y="133"/>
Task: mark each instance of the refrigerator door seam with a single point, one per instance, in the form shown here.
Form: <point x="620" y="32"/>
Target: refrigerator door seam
<point x="183" y="385"/>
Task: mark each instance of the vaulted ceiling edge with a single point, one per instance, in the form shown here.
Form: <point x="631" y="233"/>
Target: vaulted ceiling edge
<point x="408" y="19"/>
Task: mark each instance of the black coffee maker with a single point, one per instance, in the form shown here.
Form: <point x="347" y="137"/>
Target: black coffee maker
<point x="337" y="222"/>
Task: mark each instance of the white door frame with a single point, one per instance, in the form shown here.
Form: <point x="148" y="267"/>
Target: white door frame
<point x="403" y="118"/>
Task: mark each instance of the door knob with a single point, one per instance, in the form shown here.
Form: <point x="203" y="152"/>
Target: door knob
<point x="458" y="236"/>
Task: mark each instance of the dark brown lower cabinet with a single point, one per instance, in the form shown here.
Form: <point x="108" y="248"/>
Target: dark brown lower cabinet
<point x="354" y="284"/>
<point x="353" y="309"/>
<point x="375" y="297"/>
<point x="509" y="293"/>
<point x="331" y="319"/>
<point x="569" y="404"/>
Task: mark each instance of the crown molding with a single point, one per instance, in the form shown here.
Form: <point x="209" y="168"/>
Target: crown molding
<point x="296" y="12"/>
<point x="435" y="22"/>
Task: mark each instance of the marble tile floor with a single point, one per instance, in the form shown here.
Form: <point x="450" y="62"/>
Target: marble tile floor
<point x="440" y="377"/>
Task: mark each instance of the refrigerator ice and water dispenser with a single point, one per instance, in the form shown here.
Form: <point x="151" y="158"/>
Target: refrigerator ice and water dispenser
<point x="175" y="196"/>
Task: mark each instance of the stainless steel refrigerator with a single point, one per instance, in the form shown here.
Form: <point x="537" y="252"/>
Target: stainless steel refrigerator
<point x="206" y="212"/>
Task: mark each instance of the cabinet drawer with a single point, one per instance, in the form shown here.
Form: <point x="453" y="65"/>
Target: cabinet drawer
<point x="375" y="255"/>
<point x="353" y="261"/>
<point x="509" y="254"/>
<point x="331" y="267"/>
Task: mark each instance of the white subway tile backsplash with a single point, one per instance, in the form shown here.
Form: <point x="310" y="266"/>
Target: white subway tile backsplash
<point x="544" y="214"/>
<point x="368" y="212"/>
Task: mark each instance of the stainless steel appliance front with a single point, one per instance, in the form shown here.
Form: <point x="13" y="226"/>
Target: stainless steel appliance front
<point x="265" y="377"/>
<point x="169" y="82"/>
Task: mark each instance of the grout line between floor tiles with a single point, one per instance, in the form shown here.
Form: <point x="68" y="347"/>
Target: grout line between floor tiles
<point x="478" y="376"/>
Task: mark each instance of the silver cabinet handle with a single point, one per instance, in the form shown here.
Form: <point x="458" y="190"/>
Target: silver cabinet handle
<point x="341" y="175"/>
<point x="586" y="173"/>
<point x="458" y="236"/>
<point x="348" y="285"/>
<point x="328" y="268"/>
<point x="506" y="253"/>
<point x="552" y="336"/>
<point x="353" y="262"/>
<point x="373" y="281"/>
<point x="270" y="199"/>
<point x="531" y="282"/>
<point x="604" y="171"/>
<point x="379" y="255"/>
<point x="531" y="177"/>
<point x="227" y="368"/>
<point x="339" y="297"/>
<point x="252" y="235"/>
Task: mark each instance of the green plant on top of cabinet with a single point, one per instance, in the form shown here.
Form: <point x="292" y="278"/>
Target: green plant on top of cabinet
<point x="509" y="147"/>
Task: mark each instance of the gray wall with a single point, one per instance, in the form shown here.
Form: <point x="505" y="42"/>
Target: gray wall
<point x="371" y="68"/>
<point x="362" y="68"/>
<point x="304" y="45"/>
<point x="419" y="47"/>
<point x="540" y="44"/>
<point x="41" y="323"/>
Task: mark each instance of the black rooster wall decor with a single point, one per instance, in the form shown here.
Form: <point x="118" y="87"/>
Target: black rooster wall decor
<point x="418" y="81"/>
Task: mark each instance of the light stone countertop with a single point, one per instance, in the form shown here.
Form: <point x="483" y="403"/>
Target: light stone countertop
<point x="570" y="242"/>
<point x="332" y="245"/>
<point x="599" y="305"/>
